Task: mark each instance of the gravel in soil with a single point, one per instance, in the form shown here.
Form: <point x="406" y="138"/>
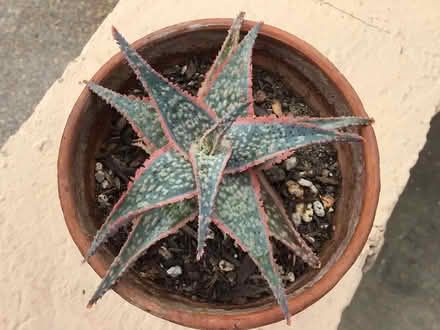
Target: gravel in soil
<point x="307" y="182"/>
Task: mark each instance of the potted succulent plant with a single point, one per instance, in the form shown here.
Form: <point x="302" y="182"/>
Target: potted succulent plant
<point x="206" y="159"/>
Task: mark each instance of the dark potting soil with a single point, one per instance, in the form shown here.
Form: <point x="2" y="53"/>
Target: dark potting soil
<point x="308" y="184"/>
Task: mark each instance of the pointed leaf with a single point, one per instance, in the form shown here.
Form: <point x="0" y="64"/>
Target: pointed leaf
<point x="166" y="178"/>
<point x="233" y="84"/>
<point x="281" y="227"/>
<point x="183" y="120"/>
<point x="147" y="230"/>
<point x="139" y="113"/>
<point x="324" y="123"/>
<point x="332" y="123"/>
<point x="208" y="172"/>
<point x="228" y="47"/>
<point x="239" y="213"/>
<point x="256" y="140"/>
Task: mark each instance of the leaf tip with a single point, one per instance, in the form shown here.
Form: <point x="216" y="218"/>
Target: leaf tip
<point x="115" y="32"/>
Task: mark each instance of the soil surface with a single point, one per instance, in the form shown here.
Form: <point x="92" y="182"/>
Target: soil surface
<point x="307" y="182"/>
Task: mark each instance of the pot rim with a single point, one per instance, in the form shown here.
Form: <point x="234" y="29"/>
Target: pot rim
<point x="270" y="314"/>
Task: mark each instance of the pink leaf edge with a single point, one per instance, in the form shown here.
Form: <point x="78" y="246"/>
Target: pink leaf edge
<point x="251" y="110"/>
<point x="146" y="141"/>
<point x="194" y="166"/>
<point x="223" y="228"/>
<point x="134" y="214"/>
<point x="201" y="93"/>
<point x="137" y="255"/>
<point x="282" y="155"/>
<point x="204" y="107"/>
<point x="310" y="257"/>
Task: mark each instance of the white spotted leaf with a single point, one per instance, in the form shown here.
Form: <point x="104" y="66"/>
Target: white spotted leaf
<point x="139" y="113"/>
<point x="332" y="123"/>
<point x="233" y="84"/>
<point x="183" y="120"/>
<point x="281" y="227"/>
<point x="257" y="140"/>
<point x="149" y="228"/>
<point x="166" y="178"/>
<point x="239" y="213"/>
<point x="229" y="45"/>
<point x="208" y="172"/>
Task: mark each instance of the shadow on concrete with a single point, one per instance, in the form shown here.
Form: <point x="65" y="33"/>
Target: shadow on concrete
<point x="402" y="290"/>
<point x="38" y="39"/>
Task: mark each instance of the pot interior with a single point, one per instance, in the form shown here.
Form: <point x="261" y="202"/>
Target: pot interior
<point x="300" y="74"/>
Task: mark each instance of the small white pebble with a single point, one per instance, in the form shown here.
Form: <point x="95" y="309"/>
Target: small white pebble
<point x="99" y="176"/>
<point x="305" y="183"/>
<point x="331" y="210"/>
<point x="98" y="166"/>
<point x="318" y="208"/>
<point x="325" y="172"/>
<point x="295" y="189"/>
<point x="290" y="163"/>
<point x="102" y="199"/>
<point x="310" y="239"/>
<point x="225" y="266"/>
<point x="314" y="190"/>
<point x="174" y="271"/>
<point x="308" y="213"/>
<point x="291" y="277"/>
<point x="308" y="184"/>
<point x="105" y="184"/>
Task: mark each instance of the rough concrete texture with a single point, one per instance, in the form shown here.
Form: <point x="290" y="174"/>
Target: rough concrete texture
<point x="402" y="290"/>
<point x="39" y="38"/>
<point x="389" y="54"/>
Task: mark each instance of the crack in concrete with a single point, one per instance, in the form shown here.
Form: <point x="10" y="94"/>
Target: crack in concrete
<point x="378" y="28"/>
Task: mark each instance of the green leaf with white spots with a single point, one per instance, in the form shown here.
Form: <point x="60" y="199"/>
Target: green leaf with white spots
<point x="232" y="86"/>
<point x="281" y="227"/>
<point x="256" y="140"/>
<point x="149" y="228"/>
<point x="225" y="52"/>
<point x="332" y="123"/>
<point x="166" y="178"/>
<point x="139" y="113"/>
<point x="238" y="212"/>
<point x="183" y="120"/>
<point x="208" y="172"/>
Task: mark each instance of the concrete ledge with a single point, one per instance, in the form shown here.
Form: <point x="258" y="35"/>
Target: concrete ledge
<point x="390" y="55"/>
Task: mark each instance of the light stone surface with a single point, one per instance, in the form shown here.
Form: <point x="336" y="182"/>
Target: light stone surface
<point x="389" y="52"/>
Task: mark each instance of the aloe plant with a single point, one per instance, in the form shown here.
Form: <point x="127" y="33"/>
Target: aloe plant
<point x="207" y="163"/>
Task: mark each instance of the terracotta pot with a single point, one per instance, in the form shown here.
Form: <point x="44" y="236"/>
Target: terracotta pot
<point x="310" y="75"/>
